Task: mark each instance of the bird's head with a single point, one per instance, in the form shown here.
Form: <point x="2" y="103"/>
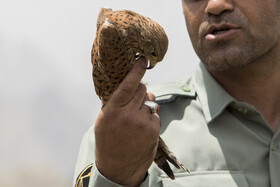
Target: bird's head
<point x="155" y="47"/>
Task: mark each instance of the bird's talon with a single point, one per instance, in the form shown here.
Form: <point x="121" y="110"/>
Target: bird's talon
<point x="137" y="56"/>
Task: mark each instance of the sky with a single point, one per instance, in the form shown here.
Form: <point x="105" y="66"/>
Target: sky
<point x="47" y="98"/>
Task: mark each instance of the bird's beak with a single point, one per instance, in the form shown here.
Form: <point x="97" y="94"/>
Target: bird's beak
<point x="151" y="65"/>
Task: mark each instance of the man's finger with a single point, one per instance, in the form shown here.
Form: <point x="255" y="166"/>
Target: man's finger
<point x="129" y="85"/>
<point x="139" y="96"/>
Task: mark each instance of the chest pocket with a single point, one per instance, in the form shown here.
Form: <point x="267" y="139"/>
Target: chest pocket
<point x="207" y="179"/>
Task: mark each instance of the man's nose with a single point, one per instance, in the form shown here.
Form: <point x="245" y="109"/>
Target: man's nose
<point x="217" y="7"/>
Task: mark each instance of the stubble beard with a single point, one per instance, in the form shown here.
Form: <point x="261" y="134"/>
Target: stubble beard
<point x="228" y="57"/>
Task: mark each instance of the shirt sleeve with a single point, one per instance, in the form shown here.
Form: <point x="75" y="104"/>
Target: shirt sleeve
<point x="98" y="180"/>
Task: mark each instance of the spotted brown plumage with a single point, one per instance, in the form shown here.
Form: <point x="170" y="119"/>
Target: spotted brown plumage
<point x="120" y="36"/>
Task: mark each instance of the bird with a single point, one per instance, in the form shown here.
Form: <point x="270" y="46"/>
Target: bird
<point x="122" y="36"/>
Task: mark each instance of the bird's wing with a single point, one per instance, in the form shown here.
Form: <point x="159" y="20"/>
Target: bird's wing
<point x="112" y="50"/>
<point x="112" y="60"/>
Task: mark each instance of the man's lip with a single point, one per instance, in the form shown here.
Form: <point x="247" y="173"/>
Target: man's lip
<point x="220" y="31"/>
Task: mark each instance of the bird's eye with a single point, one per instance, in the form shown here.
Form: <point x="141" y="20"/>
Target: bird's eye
<point x="154" y="54"/>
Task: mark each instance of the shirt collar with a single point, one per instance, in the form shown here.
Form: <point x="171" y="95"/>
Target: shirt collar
<point x="213" y="98"/>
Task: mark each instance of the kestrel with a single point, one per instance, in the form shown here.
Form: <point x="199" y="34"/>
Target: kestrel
<point x="121" y="37"/>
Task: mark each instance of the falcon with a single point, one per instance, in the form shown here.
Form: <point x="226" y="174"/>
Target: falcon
<point x="122" y="37"/>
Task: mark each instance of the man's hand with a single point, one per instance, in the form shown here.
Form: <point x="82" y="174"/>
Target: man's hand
<point x="126" y="132"/>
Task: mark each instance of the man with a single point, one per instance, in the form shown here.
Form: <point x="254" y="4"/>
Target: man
<point x="222" y="123"/>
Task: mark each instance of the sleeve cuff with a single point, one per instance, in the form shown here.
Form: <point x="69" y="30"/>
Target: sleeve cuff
<point x="98" y="180"/>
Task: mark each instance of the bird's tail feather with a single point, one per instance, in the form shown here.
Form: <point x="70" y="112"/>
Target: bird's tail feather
<point x="164" y="154"/>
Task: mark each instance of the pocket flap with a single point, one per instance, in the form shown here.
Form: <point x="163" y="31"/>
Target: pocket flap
<point x="207" y="179"/>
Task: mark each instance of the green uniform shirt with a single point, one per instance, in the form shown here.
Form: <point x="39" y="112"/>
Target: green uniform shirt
<point x="223" y="142"/>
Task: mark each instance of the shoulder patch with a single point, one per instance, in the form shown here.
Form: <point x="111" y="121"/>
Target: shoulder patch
<point x="83" y="178"/>
<point x="168" y="92"/>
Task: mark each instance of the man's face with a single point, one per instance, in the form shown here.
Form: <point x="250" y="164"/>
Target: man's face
<point x="232" y="33"/>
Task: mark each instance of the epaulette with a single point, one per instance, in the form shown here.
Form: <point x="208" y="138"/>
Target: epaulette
<point x="168" y="92"/>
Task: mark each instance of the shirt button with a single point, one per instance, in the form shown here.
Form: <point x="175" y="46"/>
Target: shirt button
<point x="242" y="110"/>
<point x="186" y="88"/>
<point x="274" y="147"/>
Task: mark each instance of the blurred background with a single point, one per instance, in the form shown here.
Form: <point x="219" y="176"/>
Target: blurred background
<point x="47" y="99"/>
